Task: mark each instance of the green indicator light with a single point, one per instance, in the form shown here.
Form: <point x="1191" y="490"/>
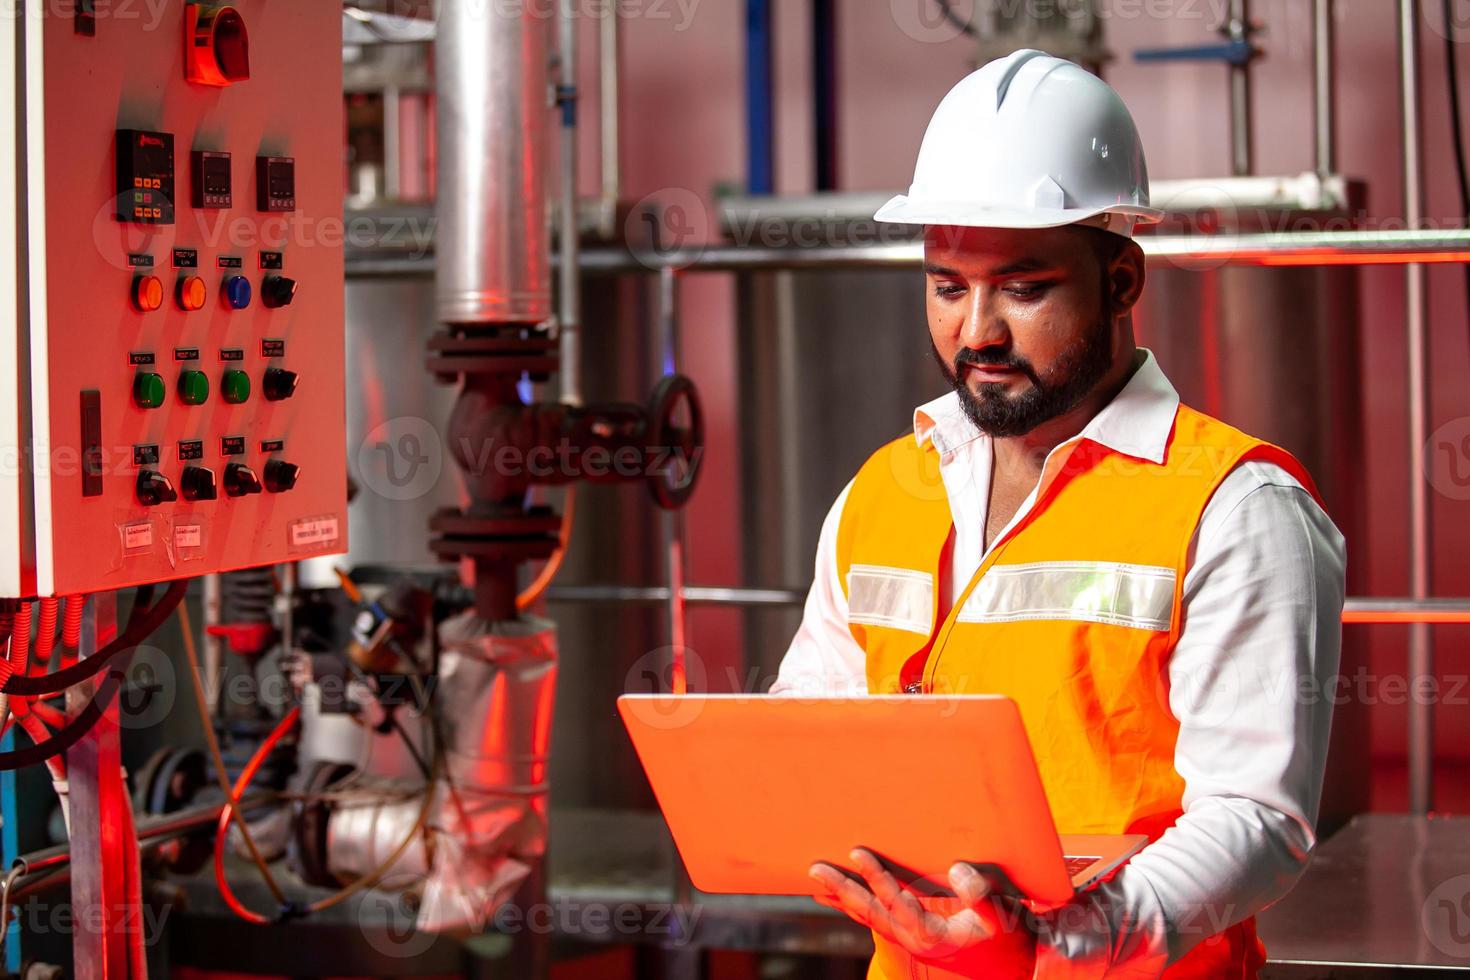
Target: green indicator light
<point x="148" y="390"/>
<point x="193" y="388"/>
<point x="235" y="387"/>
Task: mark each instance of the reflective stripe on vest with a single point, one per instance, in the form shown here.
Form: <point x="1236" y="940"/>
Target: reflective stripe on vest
<point x="1073" y="614"/>
<point x="1138" y="596"/>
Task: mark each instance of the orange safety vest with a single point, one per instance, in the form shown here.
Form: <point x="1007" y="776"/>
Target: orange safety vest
<point x="1073" y="614"/>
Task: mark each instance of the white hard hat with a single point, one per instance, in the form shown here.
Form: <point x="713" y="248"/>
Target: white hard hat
<point x="1029" y="141"/>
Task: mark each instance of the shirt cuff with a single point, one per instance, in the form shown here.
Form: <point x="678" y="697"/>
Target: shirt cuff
<point x="1073" y="942"/>
<point x="1111" y="931"/>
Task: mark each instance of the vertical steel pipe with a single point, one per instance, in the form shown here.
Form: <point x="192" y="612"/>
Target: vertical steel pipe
<point x="1421" y="652"/>
<point x="760" y="105"/>
<point x="825" y="85"/>
<point x="673" y="523"/>
<point x="1241" y="155"/>
<point x="213" y="646"/>
<point x="569" y="276"/>
<point x="609" y="94"/>
<point x="492" y="76"/>
<point x="1324" y="119"/>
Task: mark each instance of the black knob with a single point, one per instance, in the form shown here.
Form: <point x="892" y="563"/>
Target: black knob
<point x="240" y="480"/>
<point x="280" y="475"/>
<point x="154" y="488"/>
<point x="198" y="483"/>
<point x="279" y="384"/>
<point x="277" y="291"/>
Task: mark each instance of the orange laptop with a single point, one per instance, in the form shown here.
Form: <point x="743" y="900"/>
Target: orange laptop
<point x="755" y="789"/>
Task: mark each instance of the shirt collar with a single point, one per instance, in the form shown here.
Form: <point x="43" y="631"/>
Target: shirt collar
<point x="1137" y="422"/>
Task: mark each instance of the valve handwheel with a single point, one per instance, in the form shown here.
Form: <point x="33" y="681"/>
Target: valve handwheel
<point x="676" y="448"/>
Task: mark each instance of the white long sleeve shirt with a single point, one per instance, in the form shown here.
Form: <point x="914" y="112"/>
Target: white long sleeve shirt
<point x="1251" y="682"/>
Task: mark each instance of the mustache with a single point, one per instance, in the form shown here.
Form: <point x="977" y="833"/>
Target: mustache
<point x="993" y="357"/>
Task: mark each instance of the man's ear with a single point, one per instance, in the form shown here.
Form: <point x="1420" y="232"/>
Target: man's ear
<point x="1126" y="276"/>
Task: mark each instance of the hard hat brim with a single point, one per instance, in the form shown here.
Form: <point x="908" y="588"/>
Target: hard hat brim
<point x="903" y="210"/>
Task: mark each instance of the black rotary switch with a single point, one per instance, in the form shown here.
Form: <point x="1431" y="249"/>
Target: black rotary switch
<point x="198" y="483"/>
<point x="240" y="480"/>
<point x="280" y="475"/>
<point x="154" y="488"/>
<point x="277" y="291"/>
<point x="279" y="384"/>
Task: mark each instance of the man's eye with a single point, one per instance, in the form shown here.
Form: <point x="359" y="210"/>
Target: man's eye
<point x="1025" y="290"/>
<point x="949" y="290"/>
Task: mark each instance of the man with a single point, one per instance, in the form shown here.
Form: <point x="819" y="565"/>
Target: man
<point x="1149" y="584"/>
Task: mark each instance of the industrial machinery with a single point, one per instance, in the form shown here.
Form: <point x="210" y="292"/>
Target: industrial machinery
<point x="173" y="327"/>
<point x="172" y="331"/>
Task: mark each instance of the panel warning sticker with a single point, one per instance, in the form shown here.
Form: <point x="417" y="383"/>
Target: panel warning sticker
<point x="137" y="537"/>
<point x="188" y="536"/>
<point x="313" y="532"/>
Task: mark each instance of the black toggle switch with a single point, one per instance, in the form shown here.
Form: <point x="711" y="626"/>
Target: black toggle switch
<point x="240" y="480"/>
<point x="280" y="475"/>
<point x="277" y="291"/>
<point x="279" y="384"/>
<point x="198" y="483"/>
<point x="154" y="488"/>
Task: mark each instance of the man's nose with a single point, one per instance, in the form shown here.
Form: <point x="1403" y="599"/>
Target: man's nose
<point x="983" y="326"/>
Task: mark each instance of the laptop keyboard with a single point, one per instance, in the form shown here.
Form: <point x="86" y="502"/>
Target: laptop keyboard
<point x="1076" y="865"/>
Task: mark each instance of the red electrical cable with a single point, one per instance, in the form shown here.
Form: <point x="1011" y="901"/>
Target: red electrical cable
<point x="71" y="628"/>
<point x="20" y="640"/>
<point x="46" y="632"/>
<point x="39" y="733"/>
<point x="228" y="814"/>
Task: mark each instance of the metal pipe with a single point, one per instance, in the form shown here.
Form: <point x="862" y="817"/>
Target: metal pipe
<point x="392" y="144"/>
<point x="569" y="313"/>
<point x="152" y="831"/>
<point x="609" y="94"/>
<point x="492" y="82"/>
<point x="1357" y="610"/>
<point x="759" y="98"/>
<point x="673" y="525"/>
<point x="824" y="93"/>
<point x="1421" y="652"/>
<point x="1324" y="121"/>
<point x="212" y="645"/>
<point x="659" y="595"/>
<point x="286" y="604"/>
<point x="1241" y="162"/>
<point x="1293" y="248"/>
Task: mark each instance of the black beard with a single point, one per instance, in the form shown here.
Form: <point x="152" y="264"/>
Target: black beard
<point x="1076" y="373"/>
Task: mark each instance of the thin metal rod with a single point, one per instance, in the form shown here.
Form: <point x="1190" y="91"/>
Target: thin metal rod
<point x="1324" y="119"/>
<point x="673" y="525"/>
<point x="609" y="94"/>
<point x="1360" y="609"/>
<point x="212" y="646"/>
<point x="152" y="831"/>
<point x="569" y="312"/>
<point x="1241" y="162"/>
<point x="1295" y="248"/>
<point x="286" y="604"/>
<point x="657" y="595"/>
<point x="1421" y="652"/>
<point x="392" y="187"/>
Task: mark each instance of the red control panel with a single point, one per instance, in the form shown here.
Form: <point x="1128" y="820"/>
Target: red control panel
<point x="185" y="380"/>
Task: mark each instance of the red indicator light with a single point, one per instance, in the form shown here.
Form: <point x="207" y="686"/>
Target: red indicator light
<point x="147" y="293"/>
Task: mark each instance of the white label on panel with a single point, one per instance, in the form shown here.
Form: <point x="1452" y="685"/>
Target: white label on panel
<point x="311" y="531"/>
<point x="137" y="537"/>
<point x="188" y="536"/>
